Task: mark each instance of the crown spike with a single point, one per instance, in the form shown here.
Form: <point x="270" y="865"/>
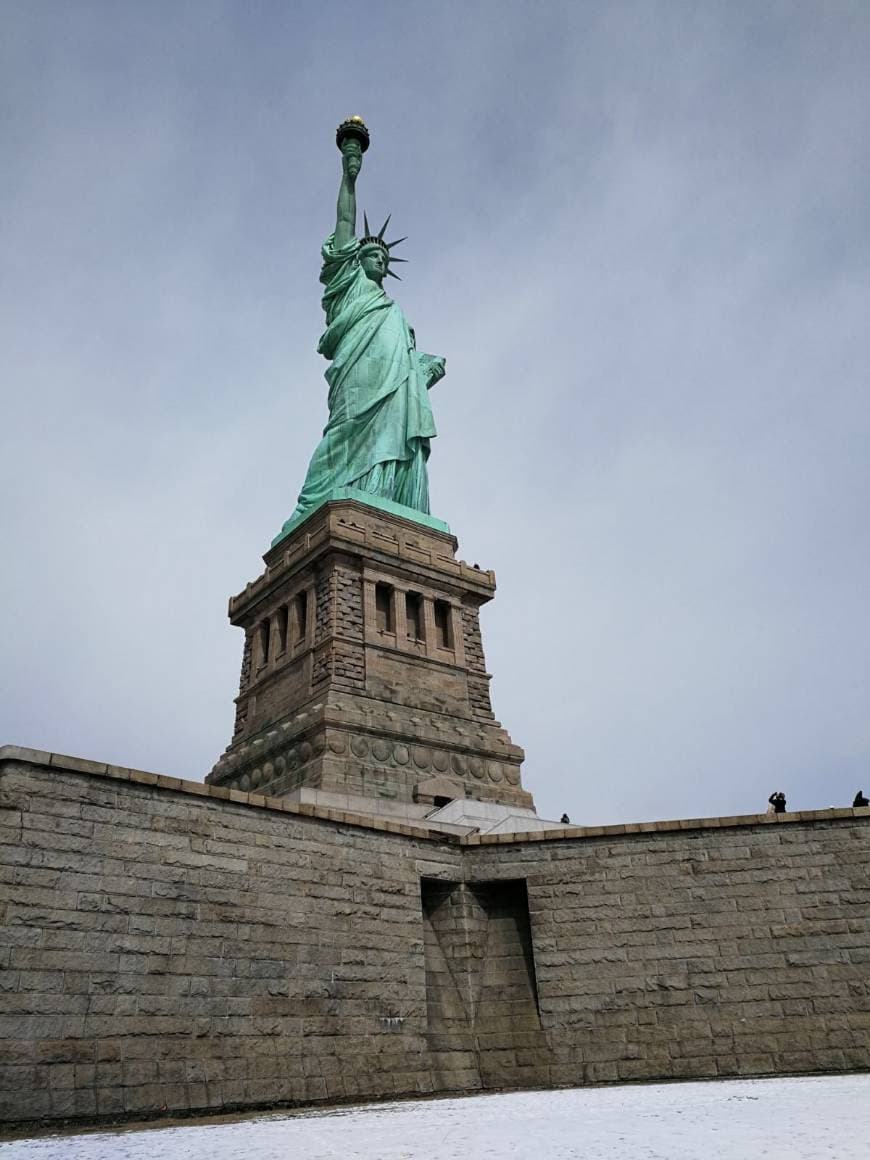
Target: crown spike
<point x="366" y="223"/>
<point x="384" y="226"/>
<point x="390" y="245"/>
<point x="392" y="259"/>
<point x="392" y="275"/>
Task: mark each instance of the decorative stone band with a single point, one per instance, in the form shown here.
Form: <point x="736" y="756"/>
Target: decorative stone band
<point x="260" y="762"/>
<point x="373" y="501"/>
<point x="335" y="522"/>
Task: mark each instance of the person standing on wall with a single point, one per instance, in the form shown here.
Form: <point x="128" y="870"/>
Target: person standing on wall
<point x="776" y="803"/>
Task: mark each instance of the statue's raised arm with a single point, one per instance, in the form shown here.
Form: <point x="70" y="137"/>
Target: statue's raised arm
<point x="351" y="163"/>
<point x="376" y="443"/>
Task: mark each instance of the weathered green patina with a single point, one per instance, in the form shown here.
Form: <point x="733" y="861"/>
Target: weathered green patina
<point x="376" y="443"/>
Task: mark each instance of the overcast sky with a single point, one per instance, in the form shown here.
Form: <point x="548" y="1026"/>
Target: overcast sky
<point x="638" y="232"/>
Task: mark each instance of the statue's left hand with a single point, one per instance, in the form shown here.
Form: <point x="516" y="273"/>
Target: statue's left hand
<point x="434" y="368"/>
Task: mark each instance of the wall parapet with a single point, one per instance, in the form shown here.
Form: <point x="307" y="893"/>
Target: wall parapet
<point x="67" y="764"/>
<point x="63" y="763"/>
<point x="163" y="950"/>
<point x="669" y="826"/>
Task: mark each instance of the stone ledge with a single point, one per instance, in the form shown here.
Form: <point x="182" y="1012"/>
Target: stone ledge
<point x="676" y="825"/>
<point x="65" y="764"/>
<point x="333" y="526"/>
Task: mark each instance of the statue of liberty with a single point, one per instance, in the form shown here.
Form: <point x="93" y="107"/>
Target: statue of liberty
<point x="380" y="422"/>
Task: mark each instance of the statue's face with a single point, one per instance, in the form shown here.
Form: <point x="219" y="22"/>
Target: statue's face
<point x="374" y="263"/>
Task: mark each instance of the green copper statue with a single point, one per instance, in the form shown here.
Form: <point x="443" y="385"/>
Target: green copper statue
<point x="380" y="422"/>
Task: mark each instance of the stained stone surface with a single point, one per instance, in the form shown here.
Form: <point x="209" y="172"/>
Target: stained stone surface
<point x="363" y="671"/>
<point x="168" y="945"/>
<point x="378" y="502"/>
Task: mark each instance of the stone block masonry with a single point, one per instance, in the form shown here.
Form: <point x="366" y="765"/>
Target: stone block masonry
<point x="363" y="672"/>
<point x="173" y="946"/>
<point x="173" y="950"/>
<point x="721" y="947"/>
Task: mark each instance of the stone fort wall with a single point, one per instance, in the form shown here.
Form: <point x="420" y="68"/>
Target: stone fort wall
<point x="170" y="946"/>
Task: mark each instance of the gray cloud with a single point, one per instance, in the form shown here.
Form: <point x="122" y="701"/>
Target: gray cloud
<point x="639" y="234"/>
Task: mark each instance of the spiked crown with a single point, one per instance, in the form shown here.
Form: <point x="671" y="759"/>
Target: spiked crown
<point x="377" y="239"/>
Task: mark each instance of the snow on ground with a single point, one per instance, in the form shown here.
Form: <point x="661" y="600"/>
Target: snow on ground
<point x="774" y="1119"/>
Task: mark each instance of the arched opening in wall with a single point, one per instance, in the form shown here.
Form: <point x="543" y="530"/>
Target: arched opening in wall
<point x="263" y="643"/>
<point x="300" y="616"/>
<point x="414" y="616"/>
<point x="440" y="802"/>
<point x="384" y="608"/>
<point x="282" y="628"/>
<point x="442" y="624"/>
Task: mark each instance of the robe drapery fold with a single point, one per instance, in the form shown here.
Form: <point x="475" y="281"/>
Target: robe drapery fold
<point x="380" y="419"/>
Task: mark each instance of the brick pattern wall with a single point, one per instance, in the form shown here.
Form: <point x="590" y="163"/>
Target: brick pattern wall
<point x="472" y="640"/>
<point x="322" y="607"/>
<point x="166" y="951"/>
<point x="165" y="947"/>
<point x="348" y="666"/>
<point x="447" y="954"/>
<point x="277" y="694"/>
<point x="719" y="952"/>
<point x="513" y="1050"/>
<point x="481" y="997"/>
<point x="321" y="668"/>
<point x="478" y="682"/>
<point x="245" y="677"/>
<point x="348" y="604"/>
<point x="349" y="659"/>
<point x="478" y="696"/>
<point x="339" y="605"/>
<point x="244" y="680"/>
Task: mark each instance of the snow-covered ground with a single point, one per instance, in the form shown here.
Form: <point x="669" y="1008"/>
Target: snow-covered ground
<point x="775" y="1119"/>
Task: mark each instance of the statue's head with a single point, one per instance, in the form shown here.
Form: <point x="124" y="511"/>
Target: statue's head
<point x="374" y="253"/>
<point x="374" y="260"/>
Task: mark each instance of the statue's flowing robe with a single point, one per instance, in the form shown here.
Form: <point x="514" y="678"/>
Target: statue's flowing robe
<point x="380" y="419"/>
